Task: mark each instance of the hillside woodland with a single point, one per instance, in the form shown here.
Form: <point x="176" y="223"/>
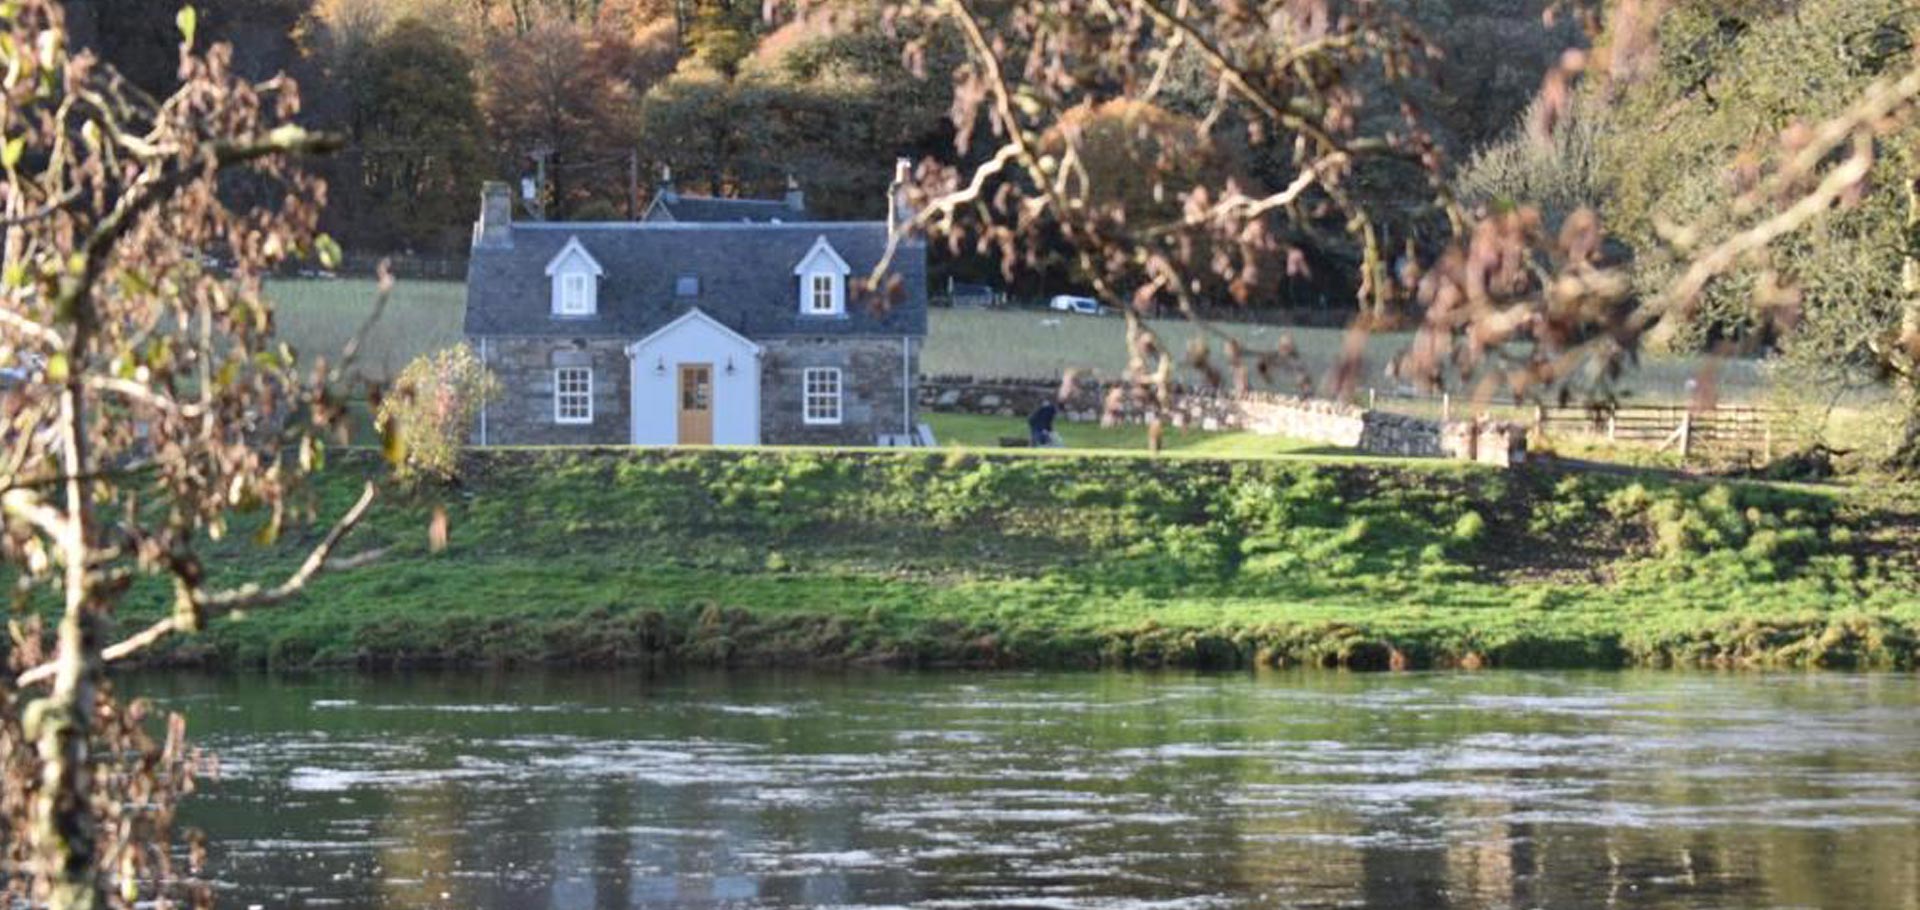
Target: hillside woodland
<point x="437" y="95"/>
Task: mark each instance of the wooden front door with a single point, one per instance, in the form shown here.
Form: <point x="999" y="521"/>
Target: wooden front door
<point x="696" y="404"/>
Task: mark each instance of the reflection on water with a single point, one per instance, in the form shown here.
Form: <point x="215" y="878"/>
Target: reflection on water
<point x="1655" y="790"/>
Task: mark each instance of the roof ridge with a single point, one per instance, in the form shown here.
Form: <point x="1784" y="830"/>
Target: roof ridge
<point x="773" y="200"/>
<point x="690" y="225"/>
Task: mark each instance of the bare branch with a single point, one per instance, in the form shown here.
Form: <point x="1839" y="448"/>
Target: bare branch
<point x="249" y="596"/>
<point x="318" y="562"/>
<point x="39" y="332"/>
<point x="52" y="207"/>
<point x="1724" y="255"/>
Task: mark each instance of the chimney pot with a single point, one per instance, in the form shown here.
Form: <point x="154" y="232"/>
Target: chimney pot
<point x="899" y="210"/>
<point x="495" y="227"/>
<point x="796" y="200"/>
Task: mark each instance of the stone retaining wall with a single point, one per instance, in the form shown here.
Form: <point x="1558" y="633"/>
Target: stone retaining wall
<point x="1264" y="413"/>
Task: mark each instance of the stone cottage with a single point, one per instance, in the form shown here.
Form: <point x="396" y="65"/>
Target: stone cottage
<point x="711" y="322"/>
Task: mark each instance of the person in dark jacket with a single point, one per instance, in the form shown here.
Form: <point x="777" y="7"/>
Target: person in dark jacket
<point x="1040" y="424"/>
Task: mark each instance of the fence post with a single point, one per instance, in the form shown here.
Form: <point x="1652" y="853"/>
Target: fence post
<point x="1446" y="407"/>
<point x="1613" y="417"/>
<point x="1369" y="398"/>
<point x="1686" y="435"/>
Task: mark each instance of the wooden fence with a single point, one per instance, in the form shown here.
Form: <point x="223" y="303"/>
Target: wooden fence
<point x="1727" y="431"/>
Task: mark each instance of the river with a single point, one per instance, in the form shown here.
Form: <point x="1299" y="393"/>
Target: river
<point x="1489" y="790"/>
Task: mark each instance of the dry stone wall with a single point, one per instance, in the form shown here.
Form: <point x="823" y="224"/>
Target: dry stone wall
<point x="1264" y="413"/>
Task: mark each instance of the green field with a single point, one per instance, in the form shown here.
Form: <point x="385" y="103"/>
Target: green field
<point x="765" y="556"/>
<point x="981" y="432"/>
<point x="318" y="317"/>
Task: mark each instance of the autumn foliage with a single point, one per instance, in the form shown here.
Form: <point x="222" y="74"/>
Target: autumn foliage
<point x="431" y="411"/>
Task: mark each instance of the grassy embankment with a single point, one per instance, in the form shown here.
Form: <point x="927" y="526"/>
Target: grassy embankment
<point x="755" y="557"/>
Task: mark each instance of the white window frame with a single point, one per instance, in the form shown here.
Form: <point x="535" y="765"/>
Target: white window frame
<point x="834" y="400"/>
<point x="576" y="294"/>
<point x="563" y="396"/>
<point x="821" y="289"/>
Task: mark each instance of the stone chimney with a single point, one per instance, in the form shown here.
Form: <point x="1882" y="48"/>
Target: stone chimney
<point x="796" y="200"/>
<point x="899" y="210"/>
<point x="495" y="227"/>
<point x="666" y="190"/>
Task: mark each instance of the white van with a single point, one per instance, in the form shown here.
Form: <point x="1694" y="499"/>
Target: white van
<point x="1068" y="303"/>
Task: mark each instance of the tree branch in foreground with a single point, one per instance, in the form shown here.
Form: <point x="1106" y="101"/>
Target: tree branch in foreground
<point x="318" y="561"/>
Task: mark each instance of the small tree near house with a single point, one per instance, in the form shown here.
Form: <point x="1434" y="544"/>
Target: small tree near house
<point x="432" y="409"/>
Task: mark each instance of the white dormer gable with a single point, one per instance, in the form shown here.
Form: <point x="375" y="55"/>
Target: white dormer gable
<point x="576" y="280"/>
<point x="823" y="281"/>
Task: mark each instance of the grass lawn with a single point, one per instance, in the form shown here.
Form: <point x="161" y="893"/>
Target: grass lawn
<point x="1018" y="343"/>
<point x="318" y="318"/>
<point x="983" y="432"/>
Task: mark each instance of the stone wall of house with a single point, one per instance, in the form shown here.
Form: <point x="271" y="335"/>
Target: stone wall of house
<point x="873" y="389"/>
<point x="1265" y="413"/>
<point x="523" y="414"/>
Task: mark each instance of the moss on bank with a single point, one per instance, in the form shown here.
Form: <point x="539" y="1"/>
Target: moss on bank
<point x="788" y="556"/>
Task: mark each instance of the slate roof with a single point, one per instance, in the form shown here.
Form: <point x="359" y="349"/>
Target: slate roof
<point x="745" y="271"/>
<point x="715" y="209"/>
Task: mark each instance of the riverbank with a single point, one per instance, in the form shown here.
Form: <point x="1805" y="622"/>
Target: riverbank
<point x="780" y="557"/>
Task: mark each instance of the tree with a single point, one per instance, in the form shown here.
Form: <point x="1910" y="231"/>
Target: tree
<point x="137" y="35"/>
<point x="403" y="90"/>
<point x="568" y="94"/>
<point x="1280" y="73"/>
<point x="694" y="123"/>
<point x="1142" y="159"/>
<point x="720" y="33"/>
<point x="156" y="410"/>
<point x="419" y="137"/>
<point x="1899" y="348"/>
<point x="824" y="99"/>
<point x="1559" y="173"/>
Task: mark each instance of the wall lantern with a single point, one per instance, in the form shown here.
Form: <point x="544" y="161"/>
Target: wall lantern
<point x="660" y="366"/>
<point x="729" y="364"/>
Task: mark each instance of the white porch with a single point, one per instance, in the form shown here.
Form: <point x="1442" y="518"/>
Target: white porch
<point x="695" y="382"/>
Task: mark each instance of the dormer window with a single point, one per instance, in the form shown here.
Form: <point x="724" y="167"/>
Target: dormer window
<point x="823" y="281"/>
<point x="820" y="295"/>
<point x="574" y="300"/>
<point x="576" y="281"/>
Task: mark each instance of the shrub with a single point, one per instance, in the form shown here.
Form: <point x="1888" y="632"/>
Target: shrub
<point x="1559" y="173"/>
<point x="1470" y="527"/>
<point x="431" y="411"/>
